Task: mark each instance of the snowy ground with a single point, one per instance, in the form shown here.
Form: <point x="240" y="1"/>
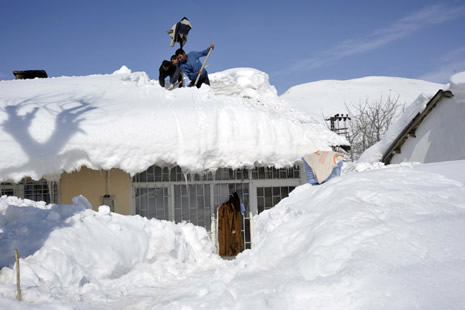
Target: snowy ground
<point x="374" y="238"/>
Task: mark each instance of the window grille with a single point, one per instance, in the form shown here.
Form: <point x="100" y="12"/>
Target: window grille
<point x="7" y="189"/>
<point x="226" y="174"/>
<point x="192" y="204"/>
<point x="152" y="202"/>
<point x="41" y="190"/>
<point x="269" y="173"/>
<point x="267" y="197"/>
<point x="170" y="194"/>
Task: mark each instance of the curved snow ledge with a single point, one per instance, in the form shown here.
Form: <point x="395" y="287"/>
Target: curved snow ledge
<point x="127" y="121"/>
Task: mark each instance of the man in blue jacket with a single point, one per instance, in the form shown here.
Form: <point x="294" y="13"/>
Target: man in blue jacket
<point x="191" y="65"/>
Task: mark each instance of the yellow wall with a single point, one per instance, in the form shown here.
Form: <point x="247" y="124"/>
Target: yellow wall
<point x="93" y="184"/>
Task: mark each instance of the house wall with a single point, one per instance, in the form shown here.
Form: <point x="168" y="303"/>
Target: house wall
<point x="440" y="137"/>
<point x="93" y="184"/>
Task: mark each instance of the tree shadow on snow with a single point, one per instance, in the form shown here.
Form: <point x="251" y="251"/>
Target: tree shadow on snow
<point x="69" y="115"/>
<point x="27" y="228"/>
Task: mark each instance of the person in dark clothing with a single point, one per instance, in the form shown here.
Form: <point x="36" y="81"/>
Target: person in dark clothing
<point x="169" y="69"/>
<point x="175" y="61"/>
<point x="191" y="65"/>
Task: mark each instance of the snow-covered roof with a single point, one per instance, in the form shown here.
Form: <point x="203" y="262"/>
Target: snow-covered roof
<point x="126" y="120"/>
<point x="322" y="99"/>
<point x="456" y="86"/>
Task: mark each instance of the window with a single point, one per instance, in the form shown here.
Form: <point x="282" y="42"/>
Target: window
<point x="7" y="189"/>
<point x="226" y="174"/>
<point x="171" y="194"/>
<point x="152" y="202"/>
<point x="269" y="173"/>
<point x="267" y="197"/>
<point x="192" y="204"/>
<point x="41" y="190"/>
<point x="153" y="174"/>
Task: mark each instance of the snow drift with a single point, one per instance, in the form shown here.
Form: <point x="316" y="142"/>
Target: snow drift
<point x="381" y="239"/>
<point x="68" y="246"/>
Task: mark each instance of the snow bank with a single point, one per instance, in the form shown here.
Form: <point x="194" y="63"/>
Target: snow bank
<point x="125" y="120"/>
<point x="388" y="238"/>
<point x="65" y="247"/>
<point x="350" y="244"/>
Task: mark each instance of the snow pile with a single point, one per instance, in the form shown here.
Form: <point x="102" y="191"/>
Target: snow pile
<point x="350" y="244"/>
<point x="64" y="247"/>
<point x="326" y="98"/>
<point x="244" y="82"/>
<point x="389" y="238"/>
<point x="456" y="85"/>
<point x="125" y="120"/>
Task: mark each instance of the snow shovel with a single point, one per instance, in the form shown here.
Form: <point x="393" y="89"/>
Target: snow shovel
<point x="203" y="65"/>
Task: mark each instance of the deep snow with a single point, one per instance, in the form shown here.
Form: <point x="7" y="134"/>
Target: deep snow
<point x="391" y="238"/>
<point x="375" y="238"/>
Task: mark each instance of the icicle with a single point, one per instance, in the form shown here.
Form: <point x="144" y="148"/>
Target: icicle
<point x="185" y="178"/>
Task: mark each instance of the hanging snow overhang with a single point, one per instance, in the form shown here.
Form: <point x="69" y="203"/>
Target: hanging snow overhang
<point x="409" y="130"/>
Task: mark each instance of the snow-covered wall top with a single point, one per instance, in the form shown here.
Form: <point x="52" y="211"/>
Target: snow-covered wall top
<point x="326" y="98"/>
<point x="125" y="120"/>
<point x="457" y="86"/>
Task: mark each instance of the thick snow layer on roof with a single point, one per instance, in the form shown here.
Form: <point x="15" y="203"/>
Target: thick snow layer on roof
<point x="326" y="98"/>
<point x="456" y="85"/>
<point x="125" y="120"/>
<point x="246" y="82"/>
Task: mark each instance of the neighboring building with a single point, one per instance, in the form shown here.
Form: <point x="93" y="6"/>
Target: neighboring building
<point x="430" y="129"/>
<point x="435" y="134"/>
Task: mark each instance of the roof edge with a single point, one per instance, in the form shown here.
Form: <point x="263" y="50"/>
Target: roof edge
<point x="409" y="130"/>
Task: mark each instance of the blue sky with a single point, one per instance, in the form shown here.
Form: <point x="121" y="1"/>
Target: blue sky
<point x="295" y="42"/>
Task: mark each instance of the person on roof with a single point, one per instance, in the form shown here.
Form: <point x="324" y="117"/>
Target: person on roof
<point x="191" y="65"/>
<point x="170" y="69"/>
